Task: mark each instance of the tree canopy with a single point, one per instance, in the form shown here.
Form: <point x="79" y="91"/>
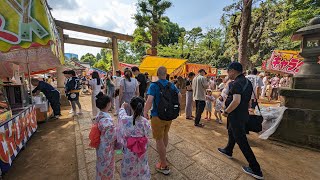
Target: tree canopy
<point x="271" y="24"/>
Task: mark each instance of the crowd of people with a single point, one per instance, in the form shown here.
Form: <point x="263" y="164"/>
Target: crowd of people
<point x="134" y="99"/>
<point x="130" y="132"/>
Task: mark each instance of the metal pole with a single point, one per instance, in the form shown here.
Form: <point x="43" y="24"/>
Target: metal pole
<point x="29" y="75"/>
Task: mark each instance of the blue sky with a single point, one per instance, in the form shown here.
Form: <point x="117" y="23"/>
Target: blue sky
<point x="193" y="13"/>
<point x="116" y="15"/>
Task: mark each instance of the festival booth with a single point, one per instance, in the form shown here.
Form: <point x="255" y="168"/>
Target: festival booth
<point x="28" y="45"/>
<point x="174" y="66"/>
<point x="191" y="67"/>
<point x="101" y="72"/>
<point x="123" y="66"/>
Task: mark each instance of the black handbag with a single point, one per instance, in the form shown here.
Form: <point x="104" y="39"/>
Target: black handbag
<point x="254" y="123"/>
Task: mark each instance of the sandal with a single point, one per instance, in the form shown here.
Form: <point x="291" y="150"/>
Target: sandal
<point x="163" y="170"/>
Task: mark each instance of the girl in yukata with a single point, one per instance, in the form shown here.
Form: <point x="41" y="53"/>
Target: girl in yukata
<point x="133" y="134"/>
<point x="105" y="152"/>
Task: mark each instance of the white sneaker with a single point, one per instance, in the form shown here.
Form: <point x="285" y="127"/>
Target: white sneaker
<point x="71" y="111"/>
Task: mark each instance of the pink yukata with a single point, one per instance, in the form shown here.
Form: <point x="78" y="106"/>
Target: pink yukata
<point x="105" y="152"/>
<point x="134" y="166"/>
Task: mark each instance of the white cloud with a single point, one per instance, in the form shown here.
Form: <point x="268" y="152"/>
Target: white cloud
<point x="111" y="15"/>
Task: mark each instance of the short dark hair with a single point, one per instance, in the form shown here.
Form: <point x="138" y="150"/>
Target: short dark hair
<point x="134" y="69"/>
<point x="72" y="72"/>
<point x="66" y="72"/>
<point x="191" y="74"/>
<point x="118" y="71"/>
<point x="254" y="71"/>
<point x="102" y="100"/>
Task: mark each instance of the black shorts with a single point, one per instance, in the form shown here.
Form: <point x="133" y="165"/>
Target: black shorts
<point x="73" y="96"/>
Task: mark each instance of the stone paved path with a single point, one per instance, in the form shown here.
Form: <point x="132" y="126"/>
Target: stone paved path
<point x="192" y="154"/>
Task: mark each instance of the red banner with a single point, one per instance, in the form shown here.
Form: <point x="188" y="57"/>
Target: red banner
<point x="14" y="135"/>
<point x="284" y="61"/>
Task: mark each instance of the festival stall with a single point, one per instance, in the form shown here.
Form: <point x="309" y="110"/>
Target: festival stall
<point x="29" y="44"/>
<point x="123" y="66"/>
<point x="192" y="67"/>
<point x="101" y="72"/>
<point x="283" y="62"/>
<point x="174" y="66"/>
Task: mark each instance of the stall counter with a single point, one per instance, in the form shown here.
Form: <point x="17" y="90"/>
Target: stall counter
<point x="14" y="134"/>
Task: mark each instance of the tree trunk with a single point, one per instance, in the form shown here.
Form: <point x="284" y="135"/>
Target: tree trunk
<point x="154" y="43"/>
<point x="244" y="34"/>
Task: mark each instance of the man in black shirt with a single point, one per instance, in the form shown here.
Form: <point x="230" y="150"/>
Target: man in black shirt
<point x="141" y="79"/>
<point x="51" y="94"/>
<point x="237" y="104"/>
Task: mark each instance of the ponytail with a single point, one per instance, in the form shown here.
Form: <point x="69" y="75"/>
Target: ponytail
<point x="137" y="104"/>
<point x="137" y="112"/>
<point x="128" y="77"/>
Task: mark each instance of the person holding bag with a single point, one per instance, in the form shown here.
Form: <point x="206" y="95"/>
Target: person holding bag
<point x="105" y="145"/>
<point x="237" y="105"/>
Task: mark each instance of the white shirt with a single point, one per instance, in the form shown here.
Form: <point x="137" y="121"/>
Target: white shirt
<point x="95" y="87"/>
<point x="256" y="82"/>
<point x="117" y="81"/>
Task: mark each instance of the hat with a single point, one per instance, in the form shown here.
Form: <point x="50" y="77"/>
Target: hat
<point x="235" y="66"/>
<point x="202" y="70"/>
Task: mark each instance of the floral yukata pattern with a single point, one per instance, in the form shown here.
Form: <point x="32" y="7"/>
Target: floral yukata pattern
<point x="133" y="167"/>
<point x="105" y="152"/>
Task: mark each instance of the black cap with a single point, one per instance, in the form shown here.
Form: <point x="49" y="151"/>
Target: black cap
<point x="202" y="70"/>
<point x="235" y="66"/>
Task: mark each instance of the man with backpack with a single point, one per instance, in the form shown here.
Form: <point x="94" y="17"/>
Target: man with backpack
<point x="165" y="99"/>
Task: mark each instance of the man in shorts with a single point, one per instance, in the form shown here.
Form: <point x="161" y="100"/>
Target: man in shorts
<point x="160" y="128"/>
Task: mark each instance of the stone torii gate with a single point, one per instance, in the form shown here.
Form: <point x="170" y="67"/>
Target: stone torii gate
<point x="61" y="26"/>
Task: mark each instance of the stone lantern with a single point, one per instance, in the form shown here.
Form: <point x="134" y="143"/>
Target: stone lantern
<point x="301" y="121"/>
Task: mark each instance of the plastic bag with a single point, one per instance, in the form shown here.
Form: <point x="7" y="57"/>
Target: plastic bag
<point x="94" y="136"/>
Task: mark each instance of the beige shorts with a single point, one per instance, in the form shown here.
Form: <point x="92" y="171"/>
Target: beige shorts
<point x="159" y="127"/>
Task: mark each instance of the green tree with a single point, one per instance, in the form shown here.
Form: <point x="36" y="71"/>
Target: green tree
<point x="171" y="32"/>
<point x="98" y="56"/>
<point x="89" y="58"/>
<point x="105" y="63"/>
<point x="149" y="18"/>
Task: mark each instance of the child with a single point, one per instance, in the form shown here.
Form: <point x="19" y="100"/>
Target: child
<point x="105" y="152"/>
<point x="268" y="92"/>
<point x="133" y="134"/>
<point x="209" y="99"/>
<point x="217" y="109"/>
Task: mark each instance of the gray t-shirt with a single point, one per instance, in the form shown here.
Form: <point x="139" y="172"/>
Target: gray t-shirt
<point x="199" y="85"/>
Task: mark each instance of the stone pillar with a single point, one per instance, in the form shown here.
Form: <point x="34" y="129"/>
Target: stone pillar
<point x="60" y="77"/>
<point x="115" y="57"/>
<point x="300" y="123"/>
